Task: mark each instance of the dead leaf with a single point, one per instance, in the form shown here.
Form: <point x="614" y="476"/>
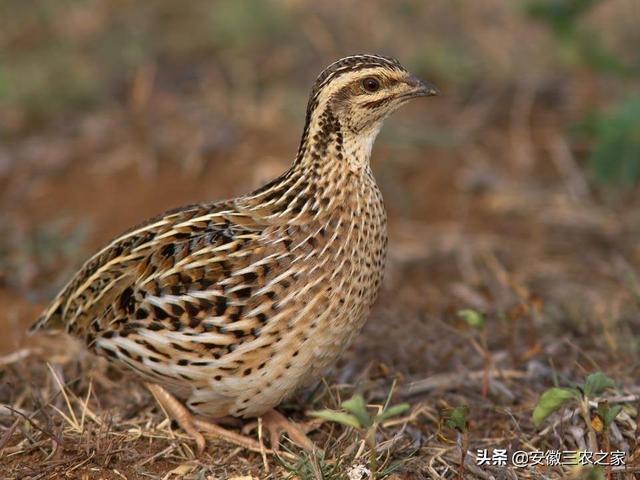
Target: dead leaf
<point x="180" y="470"/>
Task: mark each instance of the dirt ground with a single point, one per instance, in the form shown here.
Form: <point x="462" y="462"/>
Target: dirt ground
<point x="492" y="211"/>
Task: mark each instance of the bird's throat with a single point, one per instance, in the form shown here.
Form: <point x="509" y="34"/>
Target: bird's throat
<point x="326" y="143"/>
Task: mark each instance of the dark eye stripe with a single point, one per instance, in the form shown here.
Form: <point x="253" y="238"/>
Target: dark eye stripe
<point x="376" y="103"/>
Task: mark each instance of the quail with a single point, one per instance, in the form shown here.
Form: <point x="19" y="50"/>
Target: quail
<point x="226" y="308"/>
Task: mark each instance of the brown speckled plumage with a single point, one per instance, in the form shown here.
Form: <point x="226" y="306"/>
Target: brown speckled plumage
<point x="233" y="305"/>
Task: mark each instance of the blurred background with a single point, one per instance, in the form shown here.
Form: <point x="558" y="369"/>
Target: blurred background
<point x="514" y="194"/>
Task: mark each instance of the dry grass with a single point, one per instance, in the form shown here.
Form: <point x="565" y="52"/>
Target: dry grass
<point x="547" y="323"/>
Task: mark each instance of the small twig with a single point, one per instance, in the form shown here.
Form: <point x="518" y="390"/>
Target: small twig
<point x="161" y="453"/>
<point x="7" y="435"/>
<point x="8" y="410"/>
<point x="263" y="452"/>
<point x="85" y="406"/>
<point x="586" y="415"/>
<point x="449" y="381"/>
<point x="16" y="356"/>
<point x="463" y="444"/>
<point x="553" y="426"/>
<point x="58" y="441"/>
<point x="78" y="465"/>
<point x="619" y="399"/>
<point x="73" y="421"/>
<point x="473" y="468"/>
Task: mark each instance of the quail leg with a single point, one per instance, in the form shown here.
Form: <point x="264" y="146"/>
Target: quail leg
<point x="194" y="426"/>
<point x="277" y="424"/>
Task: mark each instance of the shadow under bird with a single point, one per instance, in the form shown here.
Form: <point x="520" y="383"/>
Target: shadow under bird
<point x="226" y="308"/>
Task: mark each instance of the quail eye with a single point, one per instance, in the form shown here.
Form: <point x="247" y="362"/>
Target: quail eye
<point x="371" y="84"/>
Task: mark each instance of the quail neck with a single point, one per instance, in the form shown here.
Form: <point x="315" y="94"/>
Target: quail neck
<point x="346" y="109"/>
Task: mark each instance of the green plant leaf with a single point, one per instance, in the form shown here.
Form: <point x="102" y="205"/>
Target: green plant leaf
<point x="457" y="418"/>
<point x="550" y="401"/>
<point x="612" y="413"/>
<point x="358" y="408"/>
<point x="596" y="383"/>
<point x="473" y="318"/>
<point x="393" y="411"/>
<point x="338" y="417"/>
<point x="608" y="413"/>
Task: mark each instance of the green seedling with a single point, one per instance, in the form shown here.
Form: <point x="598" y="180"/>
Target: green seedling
<point x="554" y="398"/>
<point x="357" y="415"/>
<point x="593" y="386"/>
<point x="477" y="322"/>
<point x="457" y="419"/>
<point x="601" y="423"/>
<point x="473" y="318"/>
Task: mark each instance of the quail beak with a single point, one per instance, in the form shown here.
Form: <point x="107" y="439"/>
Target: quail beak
<point x="420" y="88"/>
